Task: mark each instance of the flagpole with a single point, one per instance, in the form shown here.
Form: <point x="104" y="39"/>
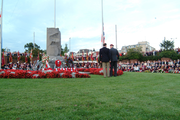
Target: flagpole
<point x="102" y="39"/>
<point x="54" y="13"/>
<point x="116" y="34"/>
<point x="1" y="33"/>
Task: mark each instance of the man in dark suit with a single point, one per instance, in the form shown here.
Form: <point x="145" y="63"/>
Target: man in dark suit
<point x="114" y="58"/>
<point x="104" y="56"/>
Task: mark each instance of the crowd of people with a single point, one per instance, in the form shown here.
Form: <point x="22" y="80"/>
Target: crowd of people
<point x="106" y="61"/>
<point x="87" y="65"/>
<point x="18" y="66"/>
<point x="168" y="66"/>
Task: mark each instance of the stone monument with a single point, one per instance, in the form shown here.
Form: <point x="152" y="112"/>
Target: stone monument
<point x="53" y="42"/>
<point x="53" y="46"/>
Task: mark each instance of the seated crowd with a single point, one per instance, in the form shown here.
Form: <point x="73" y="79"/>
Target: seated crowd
<point x="19" y="66"/>
<point x="29" y="66"/>
<point x="167" y="66"/>
<point x="87" y="65"/>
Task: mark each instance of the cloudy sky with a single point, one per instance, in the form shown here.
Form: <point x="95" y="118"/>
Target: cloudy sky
<point x="81" y="20"/>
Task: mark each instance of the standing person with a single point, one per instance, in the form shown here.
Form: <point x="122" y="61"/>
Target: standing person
<point x="114" y="58"/>
<point x="104" y="57"/>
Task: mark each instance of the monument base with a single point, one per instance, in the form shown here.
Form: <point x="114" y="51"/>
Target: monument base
<point x="52" y="60"/>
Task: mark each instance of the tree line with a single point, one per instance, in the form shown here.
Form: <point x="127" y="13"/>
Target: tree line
<point x="36" y="49"/>
<point x="167" y="50"/>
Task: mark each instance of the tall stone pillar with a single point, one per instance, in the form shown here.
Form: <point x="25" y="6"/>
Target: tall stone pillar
<point x="53" y="46"/>
<point x="53" y="42"/>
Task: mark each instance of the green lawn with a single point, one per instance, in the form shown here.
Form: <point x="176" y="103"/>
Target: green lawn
<point x="131" y="96"/>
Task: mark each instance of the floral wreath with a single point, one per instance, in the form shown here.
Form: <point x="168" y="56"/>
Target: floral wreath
<point x="69" y="62"/>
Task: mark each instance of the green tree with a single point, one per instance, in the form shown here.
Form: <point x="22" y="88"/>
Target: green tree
<point x="44" y="51"/>
<point x="167" y="45"/>
<point x="134" y="53"/>
<point x="3" y="50"/>
<point x="62" y="51"/>
<point x="169" y="54"/>
<point x="66" y="49"/>
<point x="29" y="46"/>
<point x="36" y="51"/>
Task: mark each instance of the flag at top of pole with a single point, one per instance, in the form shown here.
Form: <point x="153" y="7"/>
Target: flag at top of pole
<point x="103" y="34"/>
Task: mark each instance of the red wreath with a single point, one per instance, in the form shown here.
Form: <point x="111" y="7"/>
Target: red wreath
<point x="58" y="63"/>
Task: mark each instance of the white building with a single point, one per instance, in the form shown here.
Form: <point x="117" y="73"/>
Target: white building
<point x="144" y="45"/>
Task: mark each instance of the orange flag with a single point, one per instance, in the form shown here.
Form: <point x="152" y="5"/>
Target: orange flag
<point x="92" y="57"/>
<point x="82" y="56"/>
<point x="18" y="57"/>
<point x="10" y="57"/>
<point x="2" y="60"/>
<point x="72" y="56"/>
<point x="87" y="57"/>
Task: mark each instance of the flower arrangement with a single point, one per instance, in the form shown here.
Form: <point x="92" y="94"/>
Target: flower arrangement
<point x="49" y="73"/>
<point x="79" y="75"/>
<point x="41" y="74"/>
<point x="44" y="59"/>
<point x="97" y="71"/>
<point x="69" y="62"/>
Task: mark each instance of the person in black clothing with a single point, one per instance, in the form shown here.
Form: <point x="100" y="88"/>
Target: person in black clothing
<point x="114" y="59"/>
<point x="104" y="56"/>
<point x="78" y="65"/>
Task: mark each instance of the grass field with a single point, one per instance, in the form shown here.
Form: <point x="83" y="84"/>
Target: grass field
<point x="131" y="96"/>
